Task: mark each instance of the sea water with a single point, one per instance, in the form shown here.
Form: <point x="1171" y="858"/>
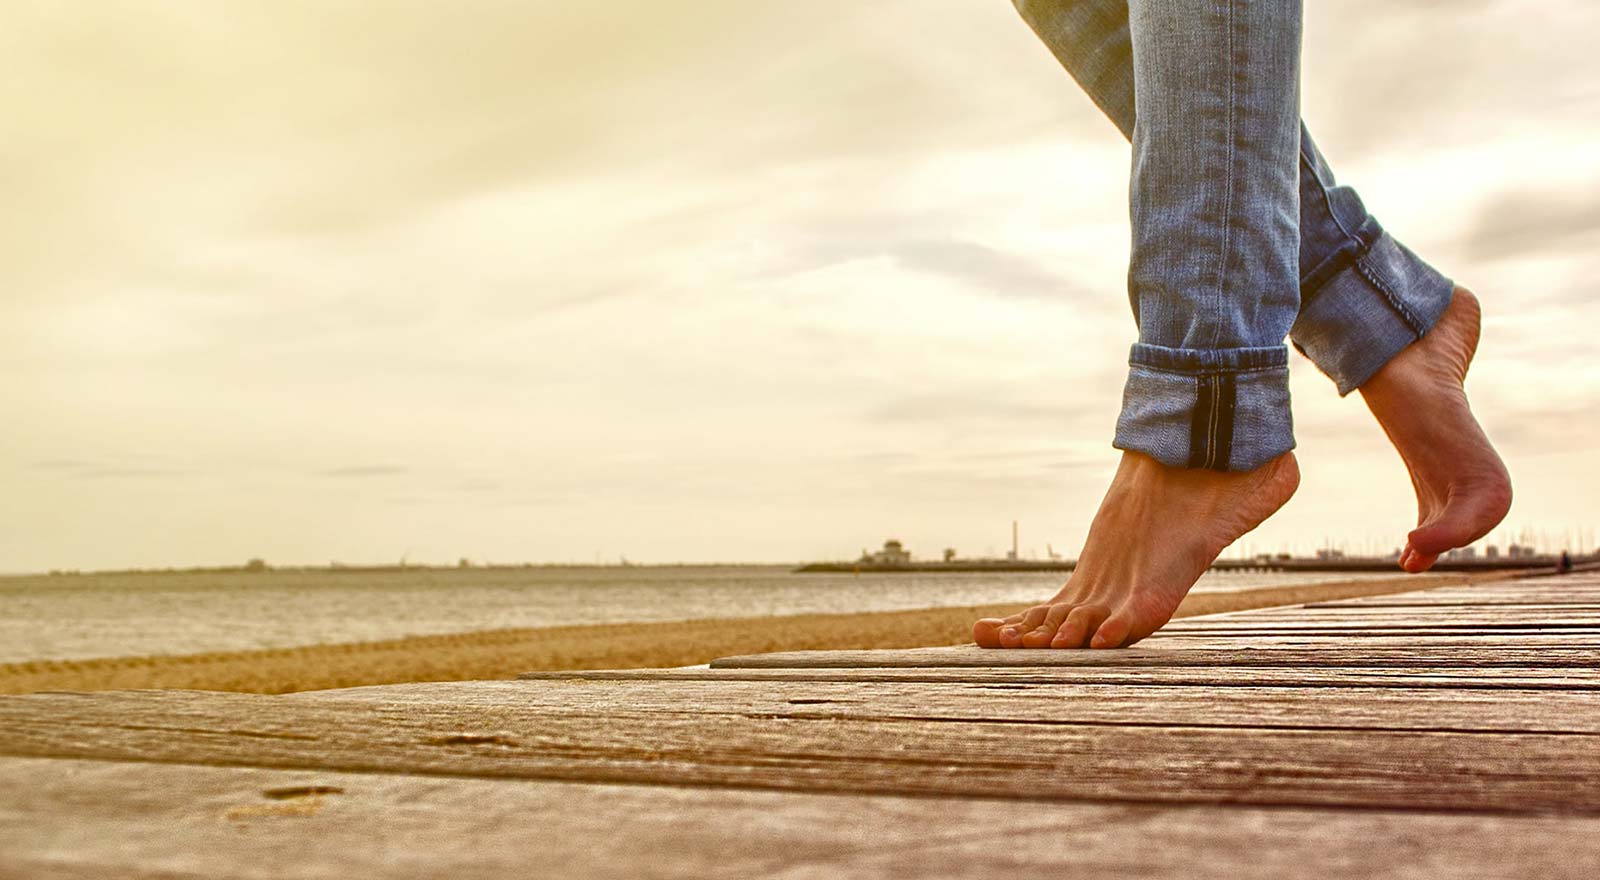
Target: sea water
<point x="113" y="615"/>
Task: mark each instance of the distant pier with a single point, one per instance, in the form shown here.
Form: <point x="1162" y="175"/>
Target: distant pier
<point x="1347" y="564"/>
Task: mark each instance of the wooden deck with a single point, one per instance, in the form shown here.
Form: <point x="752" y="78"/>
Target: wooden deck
<point x="1450" y="733"/>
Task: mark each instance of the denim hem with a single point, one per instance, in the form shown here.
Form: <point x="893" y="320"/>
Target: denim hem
<point x="1369" y="311"/>
<point x="1205" y="360"/>
<point x="1220" y="419"/>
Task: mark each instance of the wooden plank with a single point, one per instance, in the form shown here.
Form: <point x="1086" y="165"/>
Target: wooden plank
<point x="90" y="819"/>
<point x="1504" y="772"/>
<point x="1399" y="640"/>
<point x="1389" y="618"/>
<point x="1172" y="652"/>
<point x="1554" y="593"/>
<point x="1240" y="636"/>
<point x="1424" y="602"/>
<point x="1478" y="678"/>
<point x="1556" y="590"/>
<point x="1264" y="637"/>
<point x="1477" y="596"/>
<point x="1488" y="616"/>
<point x="1345" y="708"/>
<point x="1453" y="615"/>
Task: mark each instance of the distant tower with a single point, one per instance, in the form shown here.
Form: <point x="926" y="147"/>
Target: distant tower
<point x="1013" y="554"/>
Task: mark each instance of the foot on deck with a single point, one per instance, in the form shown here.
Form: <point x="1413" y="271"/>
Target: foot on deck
<point x="1156" y="532"/>
<point x="1462" y="487"/>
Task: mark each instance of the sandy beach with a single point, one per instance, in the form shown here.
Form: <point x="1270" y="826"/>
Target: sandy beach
<point x="503" y="653"/>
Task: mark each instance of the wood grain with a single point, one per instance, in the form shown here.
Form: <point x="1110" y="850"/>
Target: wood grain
<point x="1237" y="652"/>
<point x="1451" y="733"/>
<point x="1479" y="678"/>
<point x="1498" y="772"/>
<point x="1344" y="708"/>
<point x="91" y="819"/>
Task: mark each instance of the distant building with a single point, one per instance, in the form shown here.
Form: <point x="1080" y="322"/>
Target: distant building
<point x="891" y="554"/>
<point x="1462" y="553"/>
<point x="1491" y="552"/>
<point x="1330" y="554"/>
<point x="256" y="565"/>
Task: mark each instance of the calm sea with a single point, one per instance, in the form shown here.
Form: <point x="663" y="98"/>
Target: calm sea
<point x="112" y="615"/>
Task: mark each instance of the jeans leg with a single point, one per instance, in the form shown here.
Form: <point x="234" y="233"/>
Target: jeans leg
<point x="1215" y="215"/>
<point x="1364" y="296"/>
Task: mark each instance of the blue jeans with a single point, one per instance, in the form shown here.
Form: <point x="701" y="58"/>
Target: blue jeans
<point x="1240" y="234"/>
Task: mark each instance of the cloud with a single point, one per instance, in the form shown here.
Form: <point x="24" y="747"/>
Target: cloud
<point x="981" y="267"/>
<point x="1519" y="223"/>
<point x="95" y="470"/>
<point x="364" y="470"/>
<point x="108" y="473"/>
<point x="1442" y="73"/>
<point x="979" y="406"/>
<point x="673" y="275"/>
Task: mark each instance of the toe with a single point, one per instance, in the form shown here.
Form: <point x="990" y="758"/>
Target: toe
<point x="1113" y="632"/>
<point x="1079" y="623"/>
<point x="986" y="632"/>
<point x="1017" y="625"/>
<point x="1042" y="634"/>
<point x="1414" y="560"/>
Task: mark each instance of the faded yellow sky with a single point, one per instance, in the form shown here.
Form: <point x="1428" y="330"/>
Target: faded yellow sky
<point x="706" y="280"/>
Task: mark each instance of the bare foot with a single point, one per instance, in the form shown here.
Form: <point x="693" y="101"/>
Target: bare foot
<point x="1463" y="489"/>
<point x="1158" y="529"/>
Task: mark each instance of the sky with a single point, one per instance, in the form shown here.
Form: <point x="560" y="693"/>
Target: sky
<point x="701" y="281"/>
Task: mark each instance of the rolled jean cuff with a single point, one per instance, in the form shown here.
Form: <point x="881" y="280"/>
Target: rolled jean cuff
<point x="1366" y="304"/>
<point x="1223" y="409"/>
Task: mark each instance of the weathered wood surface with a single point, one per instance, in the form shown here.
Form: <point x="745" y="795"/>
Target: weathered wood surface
<point x="1508" y="772"/>
<point x="93" y="819"/>
<point x="1445" y="733"/>
<point x="1344" y="708"/>
<point x="1263" y="635"/>
<point x="1480" y="678"/>
<point x="1487" y="617"/>
<point x="1581" y="589"/>
<point x="1244" y="652"/>
<point x="1413" y="615"/>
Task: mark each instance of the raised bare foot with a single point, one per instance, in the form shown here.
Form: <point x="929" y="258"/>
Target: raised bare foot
<point x="1158" y="529"/>
<point x="1463" y="489"/>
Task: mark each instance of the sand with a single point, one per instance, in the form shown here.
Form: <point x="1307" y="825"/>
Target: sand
<point x="506" y="652"/>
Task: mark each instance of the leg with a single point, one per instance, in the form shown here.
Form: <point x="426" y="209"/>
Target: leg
<point x="1368" y="304"/>
<point x="1205" y="426"/>
<point x="1364" y="296"/>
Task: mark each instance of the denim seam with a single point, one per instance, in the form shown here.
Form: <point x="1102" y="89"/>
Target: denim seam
<point x="1228" y="397"/>
<point x="1227" y="201"/>
<point x="1355" y="249"/>
<point x="1394" y="301"/>
<point x="1327" y="201"/>
<point x="1211" y="421"/>
<point x="1210" y="371"/>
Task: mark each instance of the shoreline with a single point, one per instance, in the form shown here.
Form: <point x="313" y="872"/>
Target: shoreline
<point x="505" y="653"/>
